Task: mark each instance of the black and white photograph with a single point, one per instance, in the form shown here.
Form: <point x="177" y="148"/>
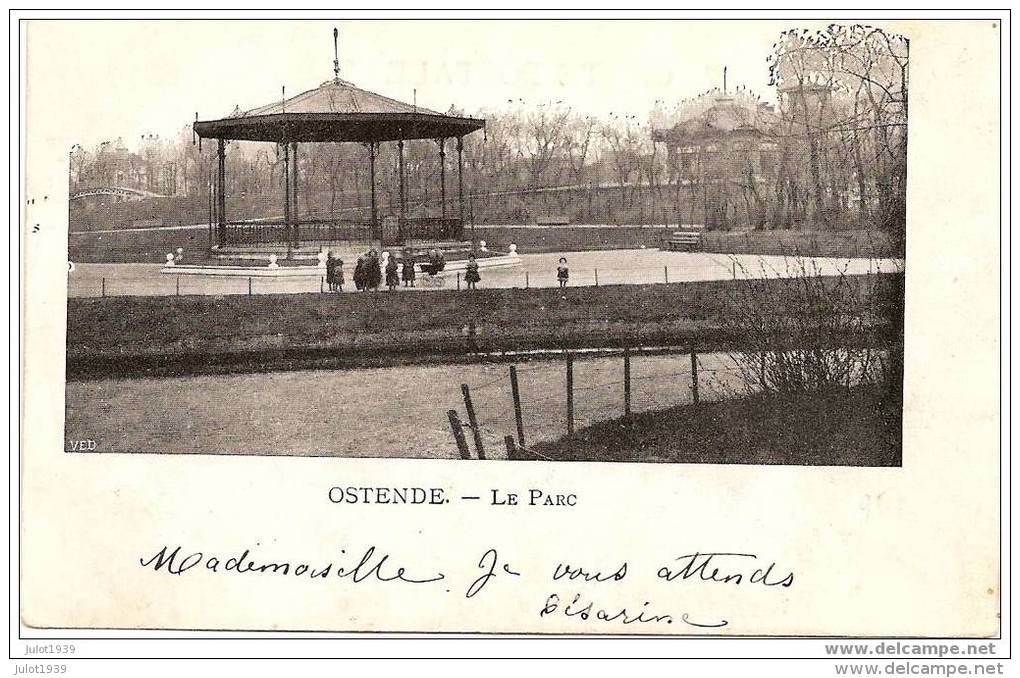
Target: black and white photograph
<point x="553" y="334"/>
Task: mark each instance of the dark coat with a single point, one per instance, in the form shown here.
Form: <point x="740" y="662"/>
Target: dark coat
<point x="391" y="272"/>
<point x="361" y="273"/>
<point x="373" y="272"/>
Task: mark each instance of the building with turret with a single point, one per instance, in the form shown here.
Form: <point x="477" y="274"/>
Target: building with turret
<point x="720" y="147"/>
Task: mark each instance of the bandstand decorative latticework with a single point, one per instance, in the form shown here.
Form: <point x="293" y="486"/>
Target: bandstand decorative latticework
<point x="339" y="112"/>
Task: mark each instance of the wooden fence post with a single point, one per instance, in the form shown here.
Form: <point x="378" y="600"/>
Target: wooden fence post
<point x="458" y="434"/>
<point x="596" y="277"/>
<point x="458" y="280"/>
<point x="511" y="447"/>
<point x="694" y="375"/>
<point x="665" y="270"/>
<point x="626" y="381"/>
<point x="473" y="420"/>
<point x="764" y="373"/>
<point x="178" y="285"/>
<point x="249" y="286"/>
<point x="570" y="393"/>
<point x="322" y="284"/>
<point x="104" y="287"/>
<point x="515" y="391"/>
<point x="527" y="280"/>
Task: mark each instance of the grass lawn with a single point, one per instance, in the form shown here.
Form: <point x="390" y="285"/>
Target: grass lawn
<point x="783" y="242"/>
<point x="845" y="427"/>
<point x="135" y="246"/>
<point x="200" y="334"/>
<point x="803" y="242"/>
<point x="196" y="334"/>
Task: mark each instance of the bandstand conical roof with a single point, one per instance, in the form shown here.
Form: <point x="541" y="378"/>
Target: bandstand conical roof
<point x="338" y="111"/>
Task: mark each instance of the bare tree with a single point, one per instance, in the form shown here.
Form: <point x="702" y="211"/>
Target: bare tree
<point x="579" y="147"/>
<point x="543" y="139"/>
<point x="625" y="143"/>
<point x="846" y="90"/>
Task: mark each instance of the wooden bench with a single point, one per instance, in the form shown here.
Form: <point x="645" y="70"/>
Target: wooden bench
<point x="553" y="220"/>
<point x="682" y="241"/>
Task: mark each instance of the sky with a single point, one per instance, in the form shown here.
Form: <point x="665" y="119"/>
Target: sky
<point x="130" y="78"/>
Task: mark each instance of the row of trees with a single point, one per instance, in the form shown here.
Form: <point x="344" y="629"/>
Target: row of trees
<point x="844" y="96"/>
<point x="833" y="156"/>
<point x="836" y="158"/>
<point x="162" y="166"/>
<point x="523" y="148"/>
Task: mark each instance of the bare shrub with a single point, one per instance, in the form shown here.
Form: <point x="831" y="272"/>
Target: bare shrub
<point x="823" y="332"/>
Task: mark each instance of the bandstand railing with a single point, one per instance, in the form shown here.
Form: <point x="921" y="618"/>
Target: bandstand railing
<point x="277" y="231"/>
<point x="431" y="228"/>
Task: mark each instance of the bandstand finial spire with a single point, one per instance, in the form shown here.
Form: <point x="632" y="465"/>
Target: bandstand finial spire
<point x="336" y="54"/>
<point x="724" y="79"/>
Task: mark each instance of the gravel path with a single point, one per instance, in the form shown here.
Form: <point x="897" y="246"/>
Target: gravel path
<point x="609" y="267"/>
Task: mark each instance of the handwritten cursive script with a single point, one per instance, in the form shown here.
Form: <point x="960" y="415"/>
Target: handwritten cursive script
<point x="370" y="566"/>
<point x="598" y="594"/>
<point x="724" y="568"/>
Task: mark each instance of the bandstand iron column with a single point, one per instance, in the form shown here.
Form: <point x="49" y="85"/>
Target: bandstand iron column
<point x="295" y="208"/>
<point x="221" y="204"/>
<point x="442" y="174"/>
<point x="286" y="190"/>
<point x="403" y="193"/>
<point x="460" y="186"/>
<point x="211" y="186"/>
<point x="371" y="176"/>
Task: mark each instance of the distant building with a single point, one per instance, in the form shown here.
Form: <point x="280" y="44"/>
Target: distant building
<point x="719" y="148"/>
<point x="111" y="165"/>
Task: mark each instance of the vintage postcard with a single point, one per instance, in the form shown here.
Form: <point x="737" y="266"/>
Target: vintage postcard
<point x="625" y="327"/>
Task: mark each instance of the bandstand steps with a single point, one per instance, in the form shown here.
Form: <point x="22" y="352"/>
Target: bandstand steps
<point x="307" y="251"/>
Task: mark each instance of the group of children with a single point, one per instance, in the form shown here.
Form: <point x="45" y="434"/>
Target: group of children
<point x="369" y="272"/>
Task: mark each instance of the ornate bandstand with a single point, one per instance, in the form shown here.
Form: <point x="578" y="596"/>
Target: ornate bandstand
<point x="338" y="112"/>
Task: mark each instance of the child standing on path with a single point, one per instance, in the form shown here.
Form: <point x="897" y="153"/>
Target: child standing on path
<point x="334" y="273"/>
<point x="359" y="273"/>
<point x="471" y="277"/>
<point x="330" y="267"/>
<point x="407" y="273"/>
<point x="562" y="272"/>
<point x="392" y="280"/>
<point x="373" y="271"/>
